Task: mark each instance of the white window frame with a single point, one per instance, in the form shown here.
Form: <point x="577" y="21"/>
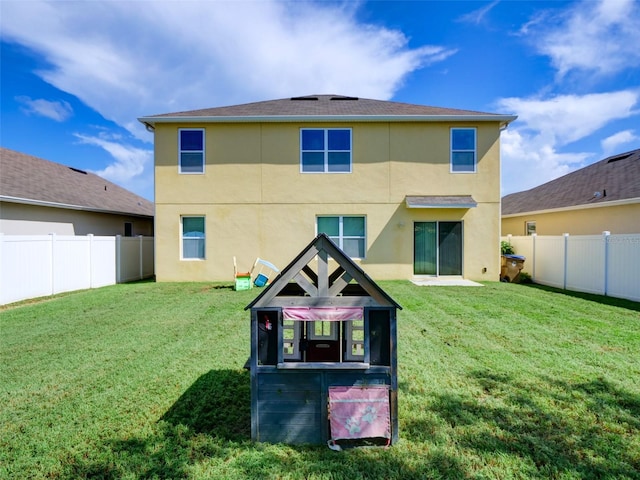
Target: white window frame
<point x="180" y="151"/>
<point x="349" y="329"/>
<point x="333" y="330"/>
<point x="183" y="238"/>
<point x="296" y="328"/>
<point x="326" y="150"/>
<point x="527" y="227"/>
<point x="459" y="150"/>
<point x="339" y="240"/>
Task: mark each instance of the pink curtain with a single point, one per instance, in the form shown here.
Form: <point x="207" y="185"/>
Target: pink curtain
<point x="359" y="412"/>
<point x="331" y="314"/>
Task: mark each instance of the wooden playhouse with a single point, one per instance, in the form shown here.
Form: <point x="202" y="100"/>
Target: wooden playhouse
<point x="323" y="354"/>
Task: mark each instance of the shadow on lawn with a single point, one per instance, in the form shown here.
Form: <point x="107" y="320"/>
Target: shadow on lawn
<point x="556" y="428"/>
<point x="207" y="430"/>
<point x="210" y="418"/>
<point x="604" y="300"/>
<point x="218" y="404"/>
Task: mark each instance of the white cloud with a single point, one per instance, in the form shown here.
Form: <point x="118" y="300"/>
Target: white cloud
<point x="128" y="59"/>
<point x="477" y="16"/>
<point x="55" y="110"/>
<point x="614" y="143"/>
<point x="591" y="37"/>
<point x="566" y="118"/>
<point x="130" y="163"/>
<point x="531" y="147"/>
<point x="528" y="160"/>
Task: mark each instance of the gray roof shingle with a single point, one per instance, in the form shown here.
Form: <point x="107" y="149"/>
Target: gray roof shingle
<point x="34" y="179"/>
<point x="613" y="178"/>
<point x="323" y="106"/>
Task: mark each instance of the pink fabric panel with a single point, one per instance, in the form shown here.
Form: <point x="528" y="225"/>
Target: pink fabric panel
<point x="359" y="412"/>
<point x="332" y="314"/>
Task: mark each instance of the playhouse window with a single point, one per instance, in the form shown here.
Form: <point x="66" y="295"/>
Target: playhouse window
<point x="354" y="341"/>
<point x="291" y="340"/>
<point x="322" y="330"/>
<point x="317" y="342"/>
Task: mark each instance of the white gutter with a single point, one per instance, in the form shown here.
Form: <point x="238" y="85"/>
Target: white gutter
<point x="503" y="119"/>
<point x="44" y="203"/>
<point x="612" y="203"/>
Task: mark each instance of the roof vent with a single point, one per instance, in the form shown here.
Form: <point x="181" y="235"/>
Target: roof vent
<point x="342" y="97"/>
<point x="308" y="97"/>
<point x="619" y="157"/>
<point x="78" y="170"/>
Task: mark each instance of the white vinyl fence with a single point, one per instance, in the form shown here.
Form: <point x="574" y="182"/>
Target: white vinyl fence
<point x="602" y="264"/>
<point x="39" y="265"/>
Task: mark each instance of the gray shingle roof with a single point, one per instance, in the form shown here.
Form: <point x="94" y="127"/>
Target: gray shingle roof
<point x="614" y="178"/>
<point x="34" y="179"/>
<point x="324" y="106"/>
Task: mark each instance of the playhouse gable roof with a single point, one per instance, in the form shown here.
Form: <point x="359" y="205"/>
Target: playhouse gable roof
<point x="298" y="284"/>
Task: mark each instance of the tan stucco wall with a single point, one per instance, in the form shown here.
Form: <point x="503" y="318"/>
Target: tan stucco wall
<point x="258" y="204"/>
<point x="588" y="221"/>
<point x="22" y="219"/>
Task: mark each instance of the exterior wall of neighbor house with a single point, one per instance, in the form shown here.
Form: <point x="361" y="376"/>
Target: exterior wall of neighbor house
<point x="586" y="221"/>
<point x="23" y="219"/>
<point x="258" y="204"/>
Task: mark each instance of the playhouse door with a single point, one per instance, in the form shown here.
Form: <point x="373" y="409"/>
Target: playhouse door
<point x="323" y="342"/>
<point x="437" y="248"/>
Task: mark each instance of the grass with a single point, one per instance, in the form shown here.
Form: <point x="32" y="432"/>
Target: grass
<point x="145" y="380"/>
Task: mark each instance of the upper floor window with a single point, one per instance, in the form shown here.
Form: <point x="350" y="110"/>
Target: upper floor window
<point x="325" y="150"/>
<point x="346" y="231"/>
<point x="193" y="237"/>
<point x="463" y="150"/>
<point x="191" y="148"/>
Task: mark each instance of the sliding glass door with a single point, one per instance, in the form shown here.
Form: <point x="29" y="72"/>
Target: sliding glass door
<point x="437" y="248"/>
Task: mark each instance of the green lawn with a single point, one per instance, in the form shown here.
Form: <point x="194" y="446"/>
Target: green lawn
<point x="145" y="380"/>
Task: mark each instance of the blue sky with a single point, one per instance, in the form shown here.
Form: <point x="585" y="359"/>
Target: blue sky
<point x="75" y="76"/>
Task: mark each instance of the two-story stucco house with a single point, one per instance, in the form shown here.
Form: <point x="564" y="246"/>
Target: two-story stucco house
<point x="405" y="190"/>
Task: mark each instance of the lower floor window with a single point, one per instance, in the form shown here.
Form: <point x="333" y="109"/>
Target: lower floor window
<point x="193" y="237"/>
<point x="530" y="228"/>
<point x="348" y="232"/>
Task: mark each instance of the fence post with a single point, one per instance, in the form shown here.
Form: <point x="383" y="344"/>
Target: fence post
<point x="2" y="289"/>
<point x="52" y="244"/>
<point x="90" y="238"/>
<point x="140" y="253"/>
<point x="606" y="235"/>
<point x="533" y="254"/>
<point x="118" y="258"/>
<point x="566" y="262"/>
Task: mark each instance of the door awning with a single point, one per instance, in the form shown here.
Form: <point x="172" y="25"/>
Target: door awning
<point x="440" y="201"/>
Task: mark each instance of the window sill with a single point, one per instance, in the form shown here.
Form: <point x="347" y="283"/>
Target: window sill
<point x="324" y="365"/>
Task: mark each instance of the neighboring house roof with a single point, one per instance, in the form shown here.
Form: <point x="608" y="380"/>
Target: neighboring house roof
<point x="324" y="107"/>
<point x="32" y="180"/>
<point x="614" y="180"/>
